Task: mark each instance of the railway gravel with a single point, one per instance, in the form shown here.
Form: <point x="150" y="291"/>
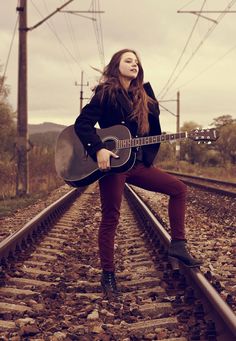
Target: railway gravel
<point x="210" y="230"/>
<point x="13" y="222"/>
<point x="52" y="292"/>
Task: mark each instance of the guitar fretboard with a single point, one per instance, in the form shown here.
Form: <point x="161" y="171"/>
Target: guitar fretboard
<point x="142" y="141"/>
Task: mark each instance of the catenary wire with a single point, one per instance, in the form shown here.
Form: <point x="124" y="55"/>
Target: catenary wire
<point x="182" y="53"/>
<point x="70" y="32"/>
<point x="59" y="40"/>
<point x="207" y="68"/>
<point x="53" y="26"/>
<point x="8" y="55"/>
<point x="186" y="4"/>
<point x="100" y="27"/>
<point x="72" y="35"/>
<point x="98" y="32"/>
<point x="213" y="26"/>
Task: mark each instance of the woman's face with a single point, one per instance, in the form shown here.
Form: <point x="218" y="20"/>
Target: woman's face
<point x="128" y="66"/>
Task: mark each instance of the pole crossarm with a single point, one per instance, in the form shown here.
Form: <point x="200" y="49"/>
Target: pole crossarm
<point x="91" y="12"/>
<point x="82" y="84"/>
<point x="199" y="13"/>
<point x="204" y="17"/>
<point x="194" y="12"/>
<point x="80" y="13"/>
<point x="49" y="16"/>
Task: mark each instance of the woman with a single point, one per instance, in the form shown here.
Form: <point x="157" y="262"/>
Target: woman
<point x="122" y="98"/>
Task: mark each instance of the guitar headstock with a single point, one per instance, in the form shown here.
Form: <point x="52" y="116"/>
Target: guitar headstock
<point x="203" y="135"/>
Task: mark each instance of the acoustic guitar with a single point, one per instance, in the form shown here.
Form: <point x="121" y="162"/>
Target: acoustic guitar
<point x="77" y="168"/>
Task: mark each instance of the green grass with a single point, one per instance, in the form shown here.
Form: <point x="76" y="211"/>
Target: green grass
<point x="227" y="173"/>
<point x="9" y="206"/>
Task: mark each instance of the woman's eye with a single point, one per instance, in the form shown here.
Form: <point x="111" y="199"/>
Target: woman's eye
<point x="130" y="61"/>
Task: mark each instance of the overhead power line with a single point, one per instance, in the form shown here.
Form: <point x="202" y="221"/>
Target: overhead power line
<point x="182" y="53"/>
<point x="53" y="29"/>
<point x="187" y="4"/>
<point x="72" y="34"/>
<point x="49" y="16"/>
<point x="207" y="68"/>
<point x="211" y="29"/>
<point x="96" y="19"/>
<point x="8" y="55"/>
<point x="98" y="31"/>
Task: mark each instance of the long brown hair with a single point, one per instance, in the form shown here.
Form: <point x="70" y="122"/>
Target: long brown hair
<point x="111" y="83"/>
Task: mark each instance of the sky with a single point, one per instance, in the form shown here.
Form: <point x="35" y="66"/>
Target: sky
<point x="179" y="52"/>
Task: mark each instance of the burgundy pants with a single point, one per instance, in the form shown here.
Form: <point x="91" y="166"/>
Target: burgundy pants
<point x="111" y="191"/>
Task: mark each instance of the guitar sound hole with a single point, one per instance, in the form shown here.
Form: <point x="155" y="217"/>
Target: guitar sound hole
<point x="110" y="145"/>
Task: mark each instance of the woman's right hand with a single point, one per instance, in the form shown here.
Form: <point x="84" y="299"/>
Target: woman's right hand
<point x="103" y="159"/>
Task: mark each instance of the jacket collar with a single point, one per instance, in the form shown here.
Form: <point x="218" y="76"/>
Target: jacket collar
<point x="124" y="103"/>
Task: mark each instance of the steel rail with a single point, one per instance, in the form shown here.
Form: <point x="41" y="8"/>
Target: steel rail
<point x="186" y="178"/>
<point x="216" y="181"/>
<point x="210" y="188"/>
<point x="224" y="312"/>
<point x="40" y="222"/>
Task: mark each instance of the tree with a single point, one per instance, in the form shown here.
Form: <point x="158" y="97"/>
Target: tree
<point x="7" y="124"/>
<point x="222" y="121"/>
<point x="189" y="150"/>
<point x="166" y="152"/>
<point x="4" y="89"/>
<point x="226" y="144"/>
<point x="7" y="138"/>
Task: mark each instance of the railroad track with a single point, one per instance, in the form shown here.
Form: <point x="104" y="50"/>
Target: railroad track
<point x="50" y="290"/>
<point x="210" y="231"/>
<point x="213" y="185"/>
<point x="10" y="224"/>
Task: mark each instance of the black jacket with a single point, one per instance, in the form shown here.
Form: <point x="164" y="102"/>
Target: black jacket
<point x="107" y="114"/>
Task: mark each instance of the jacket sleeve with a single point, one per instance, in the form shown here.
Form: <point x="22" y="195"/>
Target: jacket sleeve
<point x="150" y="151"/>
<point x="85" y="126"/>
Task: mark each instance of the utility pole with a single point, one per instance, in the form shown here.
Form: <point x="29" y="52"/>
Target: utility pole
<point x="22" y="183"/>
<point x="177" y="148"/>
<point x="81" y="89"/>
<point x="22" y="177"/>
<point x="177" y="115"/>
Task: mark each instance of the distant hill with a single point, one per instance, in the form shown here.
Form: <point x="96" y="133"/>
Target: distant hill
<point x="45" y="127"/>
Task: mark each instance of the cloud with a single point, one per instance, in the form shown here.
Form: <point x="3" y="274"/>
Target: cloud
<point x="151" y="27"/>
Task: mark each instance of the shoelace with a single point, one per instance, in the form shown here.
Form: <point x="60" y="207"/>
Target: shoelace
<point x="111" y="280"/>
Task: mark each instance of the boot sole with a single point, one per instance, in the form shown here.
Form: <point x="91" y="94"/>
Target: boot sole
<point x="109" y="293"/>
<point x="175" y="263"/>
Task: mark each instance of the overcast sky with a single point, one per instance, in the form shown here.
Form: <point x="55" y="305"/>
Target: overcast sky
<point x="66" y="44"/>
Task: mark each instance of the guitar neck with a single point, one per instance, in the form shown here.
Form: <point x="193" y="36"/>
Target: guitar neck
<point x="143" y="141"/>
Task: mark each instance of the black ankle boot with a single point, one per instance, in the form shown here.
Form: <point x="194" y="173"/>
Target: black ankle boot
<point x="179" y="251"/>
<point x="108" y="282"/>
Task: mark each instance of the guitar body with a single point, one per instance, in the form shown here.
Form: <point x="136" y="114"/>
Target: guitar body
<point x="77" y="168"/>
